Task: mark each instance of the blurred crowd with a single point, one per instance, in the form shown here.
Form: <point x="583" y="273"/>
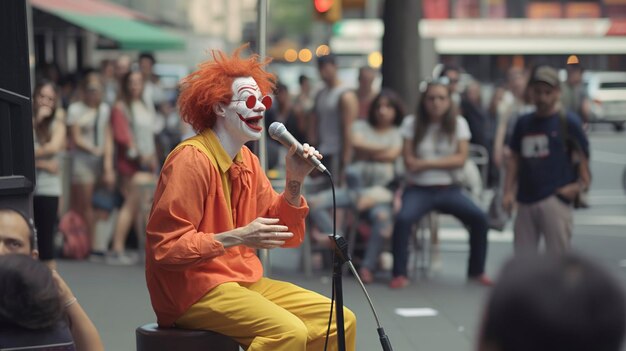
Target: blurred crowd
<point x="101" y="136"/>
<point x="397" y="170"/>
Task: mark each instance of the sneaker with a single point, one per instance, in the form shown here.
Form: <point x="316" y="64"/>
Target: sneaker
<point x="481" y="280"/>
<point x="120" y="259"/>
<point x="97" y="257"/>
<point x="386" y="261"/>
<point x="436" y="265"/>
<point x="366" y="276"/>
<point x="399" y="282"/>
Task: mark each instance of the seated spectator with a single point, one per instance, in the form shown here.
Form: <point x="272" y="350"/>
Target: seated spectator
<point x="548" y="303"/>
<point x="377" y="145"/>
<point x="435" y="149"/>
<point x="37" y="308"/>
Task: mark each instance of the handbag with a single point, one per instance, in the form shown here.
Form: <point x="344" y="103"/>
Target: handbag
<point x="76" y="243"/>
<point x="496" y="215"/>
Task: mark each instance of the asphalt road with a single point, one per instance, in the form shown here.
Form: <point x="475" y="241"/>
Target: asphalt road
<point x="117" y="300"/>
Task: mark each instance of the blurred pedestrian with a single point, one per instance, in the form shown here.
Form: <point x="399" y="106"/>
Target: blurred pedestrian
<point x="548" y="303"/>
<point x="493" y="115"/>
<point x="542" y="169"/>
<point x="122" y="67"/>
<point x="282" y="111"/>
<point x="453" y="74"/>
<point x="50" y="138"/>
<point x="515" y="103"/>
<point x="132" y="122"/>
<point x="153" y="91"/>
<point x="303" y="107"/>
<point x="107" y="72"/>
<point x="92" y="155"/>
<point x="573" y="94"/>
<point x="436" y="144"/>
<point x="336" y="108"/>
<point x="365" y="92"/>
<point x="474" y="113"/>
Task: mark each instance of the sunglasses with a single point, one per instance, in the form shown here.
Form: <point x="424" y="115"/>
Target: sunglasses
<point x="251" y="101"/>
<point x="445" y="81"/>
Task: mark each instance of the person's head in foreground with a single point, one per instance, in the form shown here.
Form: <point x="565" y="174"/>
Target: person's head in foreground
<point x="554" y="302"/>
<point x="17" y="233"/>
<point x="29" y="295"/>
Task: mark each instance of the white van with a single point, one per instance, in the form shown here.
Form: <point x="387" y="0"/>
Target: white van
<point x="607" y="92"/>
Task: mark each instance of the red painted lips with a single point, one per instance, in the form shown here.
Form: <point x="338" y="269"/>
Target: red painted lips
<point x="252" y="122"/>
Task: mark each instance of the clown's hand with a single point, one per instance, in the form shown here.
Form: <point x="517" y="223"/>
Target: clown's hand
<point x="297" y="167"/>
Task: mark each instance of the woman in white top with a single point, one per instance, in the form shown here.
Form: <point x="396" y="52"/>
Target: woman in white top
<point x="49" y="135"/>
<point x="90" y="132"/>
<point x="436" y="143"/>
<point x="377" y="145"/>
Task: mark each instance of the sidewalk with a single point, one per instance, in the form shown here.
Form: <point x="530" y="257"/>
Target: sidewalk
<point x="117" y="300"/>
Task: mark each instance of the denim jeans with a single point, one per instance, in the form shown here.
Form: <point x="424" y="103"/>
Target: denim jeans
<point x="418" y="201"/>
<point x="322" y="202"/>
<point x="380" y="217"/>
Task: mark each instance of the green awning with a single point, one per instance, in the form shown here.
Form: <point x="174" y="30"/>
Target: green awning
<point x="128" y="34"/>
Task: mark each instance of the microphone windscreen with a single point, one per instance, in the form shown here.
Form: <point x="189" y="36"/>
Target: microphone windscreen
<point x="275" y="129"/>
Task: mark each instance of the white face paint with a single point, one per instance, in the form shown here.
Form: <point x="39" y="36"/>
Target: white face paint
<point x="245" y="111"/>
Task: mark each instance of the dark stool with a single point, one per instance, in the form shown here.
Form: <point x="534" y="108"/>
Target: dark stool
<point x="152" y="338"/>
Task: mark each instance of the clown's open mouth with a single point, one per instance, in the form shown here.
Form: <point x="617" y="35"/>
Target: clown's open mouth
<point x="252" y="122"/>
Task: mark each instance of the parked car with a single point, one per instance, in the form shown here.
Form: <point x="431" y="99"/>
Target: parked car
<point x="607" y="92"/>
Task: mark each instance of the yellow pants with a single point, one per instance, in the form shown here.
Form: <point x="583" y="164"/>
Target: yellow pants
<point x="269" y="315"/>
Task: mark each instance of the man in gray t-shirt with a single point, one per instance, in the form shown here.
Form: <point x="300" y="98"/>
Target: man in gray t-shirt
<point x="336" y="108"/>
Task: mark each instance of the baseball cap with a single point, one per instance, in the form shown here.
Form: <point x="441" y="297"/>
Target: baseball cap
<point x="545" y="74"/>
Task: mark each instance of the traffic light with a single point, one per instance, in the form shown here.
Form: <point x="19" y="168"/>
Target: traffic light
<point x="327" y="10"/>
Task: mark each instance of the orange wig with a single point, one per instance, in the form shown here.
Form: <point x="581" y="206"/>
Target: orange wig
<point x="212" y="84"/>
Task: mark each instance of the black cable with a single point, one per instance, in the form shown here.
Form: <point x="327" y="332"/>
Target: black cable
<point x="332" y="308"/>
<point x="332" y="299"/>
<point x="341" y="249"/>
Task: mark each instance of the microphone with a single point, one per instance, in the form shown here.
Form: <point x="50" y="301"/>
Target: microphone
<point x="279" y="133"/>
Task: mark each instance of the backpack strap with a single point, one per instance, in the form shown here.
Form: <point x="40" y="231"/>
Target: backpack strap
<point x="574" y="151"/>
<point x="564" y="130"/>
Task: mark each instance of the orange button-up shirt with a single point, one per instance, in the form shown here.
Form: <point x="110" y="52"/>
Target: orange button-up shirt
<point x="192" y="203"/>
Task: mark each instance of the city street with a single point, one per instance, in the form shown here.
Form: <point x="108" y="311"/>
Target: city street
<point x="448" y="309"/>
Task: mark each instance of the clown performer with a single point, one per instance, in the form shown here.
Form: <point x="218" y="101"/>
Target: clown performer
<point x="214" y="206"/>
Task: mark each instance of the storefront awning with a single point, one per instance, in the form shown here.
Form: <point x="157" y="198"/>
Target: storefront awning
<point x="113" y="22"/>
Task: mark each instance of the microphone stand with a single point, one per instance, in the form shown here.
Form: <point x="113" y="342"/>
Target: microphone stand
<point x="341" y="257"/>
